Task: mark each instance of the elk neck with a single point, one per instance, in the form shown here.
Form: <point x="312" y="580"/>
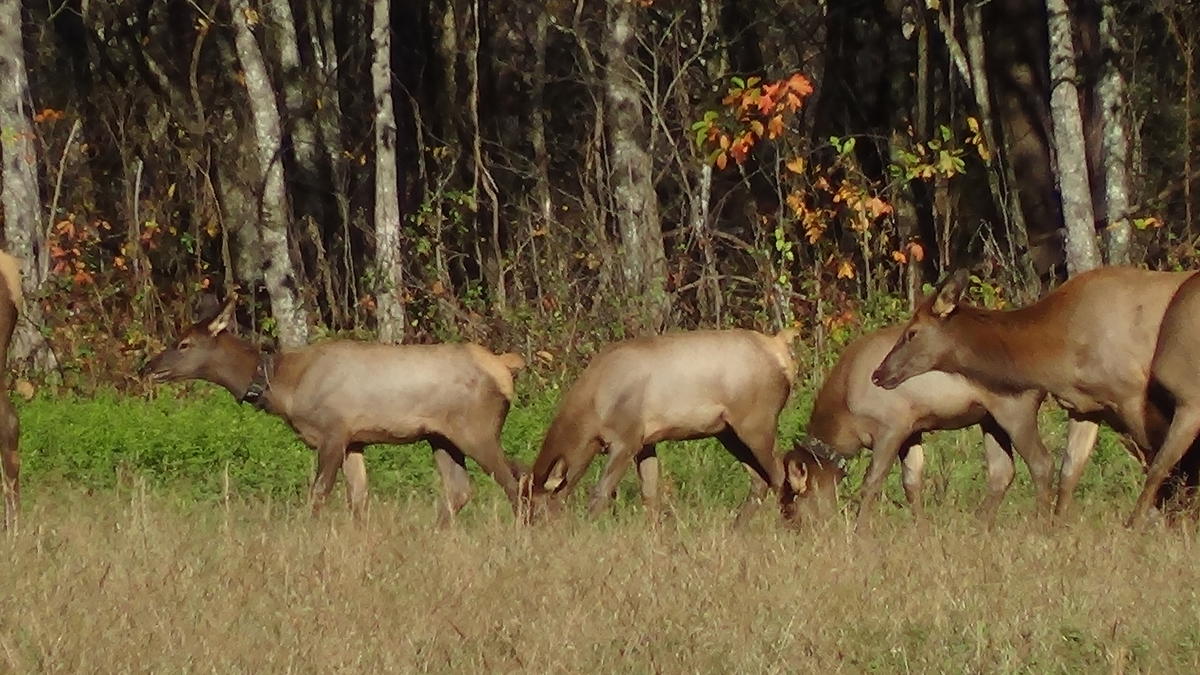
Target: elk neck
<point x="237" y="368"/>
<point x="1011" y="350"/>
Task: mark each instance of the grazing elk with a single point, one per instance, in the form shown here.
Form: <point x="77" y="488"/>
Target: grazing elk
<point x="728" y="384"/>
<point x="1089" y="344"/>
<point x="1176" y="371"/>
<point x="809" y="489"/>
<point x="852" y="413"/>
<point x="10" y="426"/>
<point x="342" y="395"/>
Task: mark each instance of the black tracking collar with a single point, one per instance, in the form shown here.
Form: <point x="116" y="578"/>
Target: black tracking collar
<point x="260" y="384"/>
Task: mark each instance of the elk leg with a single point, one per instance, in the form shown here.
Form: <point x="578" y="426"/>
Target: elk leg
<point x="997" y="454"/>
<point x="354" y="468"/>
<point x="620" y="455"/>
<point x="330" y="455"/>
<point x="1020" y="424"/>
<point x="1081" y="441"/>
<point x="1180" y="435"/>
<point x="756" y="452"/>
<point x="912" y="473"/>
<point x="754" y="498"/>
<point x="456" y="485"/>
<point x="490" y="457"/>
<point x="883" y="454"/>
<point x="10" y="461"/>
<point x="647" y="468"/>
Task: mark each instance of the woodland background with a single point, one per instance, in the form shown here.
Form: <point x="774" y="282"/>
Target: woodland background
<point x="548" y="176"/>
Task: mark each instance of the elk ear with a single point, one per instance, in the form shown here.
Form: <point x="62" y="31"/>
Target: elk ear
<point x="797" y="475"/>
<point x="224" y="319"/>
<point x="557" y="476"/>
<point x="950" y="294"/>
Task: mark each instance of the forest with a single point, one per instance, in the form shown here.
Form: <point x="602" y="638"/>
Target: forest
<point x="551" y="176"/>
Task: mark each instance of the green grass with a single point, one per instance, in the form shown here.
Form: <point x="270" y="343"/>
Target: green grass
<point x="197" y="441"/>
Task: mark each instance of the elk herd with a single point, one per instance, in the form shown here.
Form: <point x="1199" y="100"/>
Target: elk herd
<point x="1116" y="345"/>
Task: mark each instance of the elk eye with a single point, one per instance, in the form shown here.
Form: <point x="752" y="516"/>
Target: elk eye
<point x="912" y="333"/>
<point x="184" y="345"/>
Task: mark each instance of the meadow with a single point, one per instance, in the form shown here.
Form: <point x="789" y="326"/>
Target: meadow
<point x="171" y="534"/>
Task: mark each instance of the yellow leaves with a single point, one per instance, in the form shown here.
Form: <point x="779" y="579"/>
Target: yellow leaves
<point x="795" y="165"/>
<point x="722" y="160"/>
<point x="912" y="251"/>
<point x="845" y="270"/>
<point x="252" y="17"/>
<point x="775" y="127"/>
<point x="757" y="127"/>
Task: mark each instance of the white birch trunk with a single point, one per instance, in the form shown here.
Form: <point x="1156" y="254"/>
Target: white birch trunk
<point x="24" y="234"/>
<point x="290" y="318"/>
<point x="304" y="135"/>
<point x="389" y="296"/>
<point x="644" y="264"/>
<point x="1083" y="252"/>
<point x="1113" y="97"/>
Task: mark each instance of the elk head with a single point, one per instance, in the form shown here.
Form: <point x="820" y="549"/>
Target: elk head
<point x="810" y="482"/>
<point x="198" y="352"/>
<point x="925" y="343"/>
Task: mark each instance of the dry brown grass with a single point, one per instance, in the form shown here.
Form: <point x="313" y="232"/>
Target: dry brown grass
<point x="134" y="584"/>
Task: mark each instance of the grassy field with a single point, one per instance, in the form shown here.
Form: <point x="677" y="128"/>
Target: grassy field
<point x="171" y="534"/>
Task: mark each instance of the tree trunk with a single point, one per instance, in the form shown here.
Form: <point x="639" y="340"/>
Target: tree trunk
<point x="902" y="91"/>
<point x="290" y="317"/>
<point x="1083" y="253"/>
<point x="389" y="295"/>
<point x="328" y="119"/>
<point x="537" y="122"/>
<point x="1007" y="201"/>
<point x="644" y="266"/>
<point x="300" y="120"/>
<point x="1113" y="103"/>
<point x="24" y="234"/>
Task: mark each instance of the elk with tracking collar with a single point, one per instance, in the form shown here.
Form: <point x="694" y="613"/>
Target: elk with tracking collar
<point x="342" y="395"/>
<point x="851" y="413"/>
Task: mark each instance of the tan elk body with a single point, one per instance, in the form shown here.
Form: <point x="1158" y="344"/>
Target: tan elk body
<point x="728" y="384"/>
<point x="342" y="395"/>
<point x="851" y="413"/>
<point x="1089" y="344"/>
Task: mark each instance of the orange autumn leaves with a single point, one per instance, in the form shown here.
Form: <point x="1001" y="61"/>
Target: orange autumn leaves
<point x="754" y="110"/>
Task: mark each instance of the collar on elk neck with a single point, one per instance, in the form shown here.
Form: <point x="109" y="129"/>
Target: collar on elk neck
<point x="260" y="384"/>
<point x="824" y="452"/>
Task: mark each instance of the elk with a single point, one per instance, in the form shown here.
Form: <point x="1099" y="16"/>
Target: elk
<point x="728" y="384"/>
<point x="342" y="395"/>
<point x="1089" y="344"/>
<point x="809" y="489"/>
<point x="851" y="413"/>
<point x="1175" y="371"/>
<point x="10" y="425"/>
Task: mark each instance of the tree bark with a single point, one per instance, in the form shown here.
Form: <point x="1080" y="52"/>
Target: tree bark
<point x="1083" y="253"/>
<point x="304" y="135"/>
<point x="290" y="317"/>
<point x="902" y="91"/>
<point x="389" y="296"/>
<point x="644" y="265"/>
<point x="1007" y="201"/>
<point x="1114" y="100"/>
<point x="24" y="235"/>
